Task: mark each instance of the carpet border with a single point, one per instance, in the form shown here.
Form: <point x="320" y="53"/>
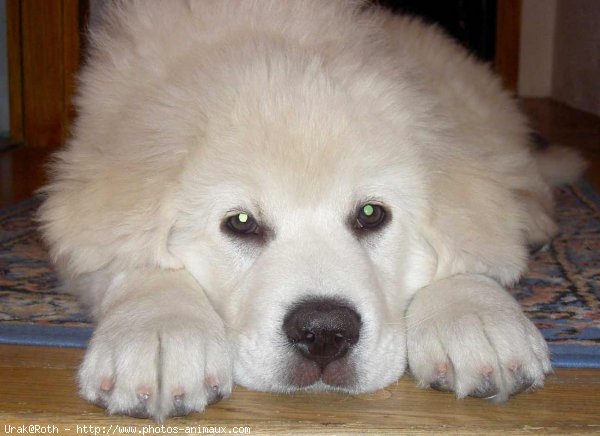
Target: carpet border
<point x="44" y="335"/>
<point x="563" y="355"/>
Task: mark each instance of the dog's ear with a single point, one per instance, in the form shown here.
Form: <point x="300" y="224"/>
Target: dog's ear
<point x="475" y="226"/>
<point x="95" y="214"/>
<point x="112" y="190"/>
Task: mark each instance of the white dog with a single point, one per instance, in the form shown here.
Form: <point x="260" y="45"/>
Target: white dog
<point x="295" y="195"/>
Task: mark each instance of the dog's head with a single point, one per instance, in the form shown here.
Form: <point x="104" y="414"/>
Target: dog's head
<point x="298" y="216"/>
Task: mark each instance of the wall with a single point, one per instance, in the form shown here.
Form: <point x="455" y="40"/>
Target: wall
<point x="536" y="56"/>
<point x="576" y="71"/>
<point x="4" y="112"/>
<point x="560" y="52"/>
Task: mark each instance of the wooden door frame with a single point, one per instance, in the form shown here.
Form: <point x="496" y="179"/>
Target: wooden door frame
<point x="508" y="39"/>
<point x="44" y="40"/>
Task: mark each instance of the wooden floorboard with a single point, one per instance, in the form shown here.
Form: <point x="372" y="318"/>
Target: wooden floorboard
<point x="37" y="384"/>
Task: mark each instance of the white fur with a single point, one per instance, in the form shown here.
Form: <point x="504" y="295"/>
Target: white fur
<point x="296" y="112"/>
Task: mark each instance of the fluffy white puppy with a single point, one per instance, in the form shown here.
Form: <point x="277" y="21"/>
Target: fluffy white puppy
<point x="295" y="195"/>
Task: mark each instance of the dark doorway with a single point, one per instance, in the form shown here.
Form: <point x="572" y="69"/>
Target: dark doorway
<point x="471" y="22"/>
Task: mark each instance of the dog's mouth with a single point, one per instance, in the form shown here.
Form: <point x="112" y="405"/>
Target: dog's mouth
<point x="337" y="374"/>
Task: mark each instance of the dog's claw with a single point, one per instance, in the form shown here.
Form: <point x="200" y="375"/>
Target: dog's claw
<point x="443" y="377"/>
<point x="215" y="395"/>
<point x="522" y="382"/>
<point x="179" y="407"/>
<point x="487" y="389"/>
<point x="143" y="396"/>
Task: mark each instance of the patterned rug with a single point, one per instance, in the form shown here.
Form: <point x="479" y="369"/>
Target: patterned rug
<point x="560" y="293"/>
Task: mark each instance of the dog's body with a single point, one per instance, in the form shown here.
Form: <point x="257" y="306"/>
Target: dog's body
<point x="295" y="195"/>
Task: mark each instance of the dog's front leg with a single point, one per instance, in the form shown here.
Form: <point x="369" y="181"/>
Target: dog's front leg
<point x="468" y="335"/>
<point x="159" y="349"/>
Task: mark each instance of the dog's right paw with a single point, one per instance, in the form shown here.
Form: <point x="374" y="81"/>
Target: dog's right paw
<point x="156" y="368"/>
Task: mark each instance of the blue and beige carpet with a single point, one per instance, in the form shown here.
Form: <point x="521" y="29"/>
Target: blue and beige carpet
<point x="560" y="293"/>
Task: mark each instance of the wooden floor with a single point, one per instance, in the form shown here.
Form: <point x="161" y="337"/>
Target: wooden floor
<point x="37" y="387"/>
<point x="37" y="384"/>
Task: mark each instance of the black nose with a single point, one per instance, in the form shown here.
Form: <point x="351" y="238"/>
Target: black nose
<point x="322" y="329"/>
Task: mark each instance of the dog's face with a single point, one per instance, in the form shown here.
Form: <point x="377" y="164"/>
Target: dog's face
<point x="301" y="223"/>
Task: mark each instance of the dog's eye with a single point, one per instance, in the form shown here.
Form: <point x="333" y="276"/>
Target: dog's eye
<point x="242" y="223"/>
<point x="370" y="216"/>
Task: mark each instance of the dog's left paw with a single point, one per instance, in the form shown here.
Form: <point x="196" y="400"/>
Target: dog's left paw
<point x="478" y="345"/>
